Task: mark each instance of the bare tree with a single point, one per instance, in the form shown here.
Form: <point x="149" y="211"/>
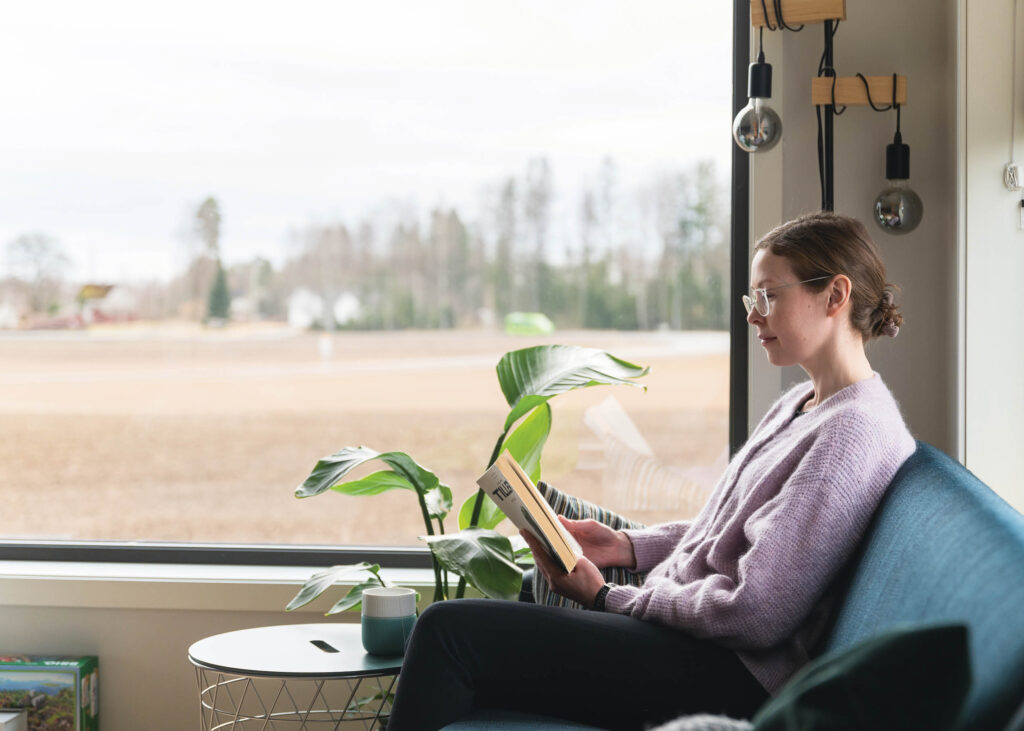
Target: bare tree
<point x="38" y="260"/>
<point x="456" y="289"/>
<point x="588" y="223"/>
<point x="606" y="203"/>
<point x="506" y="279"/>
<point x="664" y="201"/>
<point x="207" y="226"/>
<point x="203" y="260"/>
<point x="408" y="275"/>
<point x="536" y="215"/>
<point x="325" y="265"/>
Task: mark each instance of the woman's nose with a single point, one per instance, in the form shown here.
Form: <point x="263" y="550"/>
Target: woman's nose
<point x="754" y="316"/>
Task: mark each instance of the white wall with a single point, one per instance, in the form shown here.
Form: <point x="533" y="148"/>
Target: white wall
<point x="993" y="247"/>
<point x="146" y="680"/>
<point x="919" y="365"/>
<point x="141" y="619"/>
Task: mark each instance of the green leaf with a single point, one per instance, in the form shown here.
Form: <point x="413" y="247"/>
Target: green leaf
<point x="524" y="556"/>
<point x="354" y="598"/>
<point x="329" y="470"/>
<point x="531" y="376"/>
<point x="490" y="514"/>
<point x="439" y="501"/>
<point x="526" y="443"/>
<point x="520" y="551"/>
<point x="377" y="700"/>
<point x="374" y="484"/>
<point x="483" y="557"/>
<point x="422" y="479"/>
<point x="319" y="583"/>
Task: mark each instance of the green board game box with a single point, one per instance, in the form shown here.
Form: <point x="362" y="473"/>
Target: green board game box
<point x="59" y="693"/>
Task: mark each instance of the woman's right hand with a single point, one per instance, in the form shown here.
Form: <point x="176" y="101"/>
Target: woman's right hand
<point x="604" y="546"/>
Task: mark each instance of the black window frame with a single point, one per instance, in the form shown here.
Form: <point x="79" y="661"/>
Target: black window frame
<point x="412" y="557"/>
<point x="739" y="382"/>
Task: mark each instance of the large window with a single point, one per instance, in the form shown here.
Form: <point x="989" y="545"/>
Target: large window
<point x="237" y="239"/>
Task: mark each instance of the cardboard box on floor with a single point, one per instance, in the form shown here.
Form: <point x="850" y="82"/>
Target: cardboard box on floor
<point x="59" y="693"/>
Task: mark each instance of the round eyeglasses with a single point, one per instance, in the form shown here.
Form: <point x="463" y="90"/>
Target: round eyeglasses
<point x="760" y="301"/>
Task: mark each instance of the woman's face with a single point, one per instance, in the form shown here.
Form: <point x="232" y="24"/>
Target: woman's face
<point x="796" y="325"/>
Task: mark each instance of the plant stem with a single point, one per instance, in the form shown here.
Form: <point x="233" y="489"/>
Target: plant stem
<point x="438" y="585"/>
<point x="497" y="449"/>
<point x="426" y="514"/>
<point x="444" y="572"/>
<point x="474" y="519"/>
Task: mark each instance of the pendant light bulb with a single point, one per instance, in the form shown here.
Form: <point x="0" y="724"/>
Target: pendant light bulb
<point x="898" y="209"/>
<point x="757" y="127"/>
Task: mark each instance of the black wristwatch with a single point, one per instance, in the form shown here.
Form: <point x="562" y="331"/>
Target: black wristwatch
<point x="602" y="594"/>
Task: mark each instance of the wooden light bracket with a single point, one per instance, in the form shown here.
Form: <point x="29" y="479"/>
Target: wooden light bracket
<point x="795" y="12"/>
<point x="850" y="90"/>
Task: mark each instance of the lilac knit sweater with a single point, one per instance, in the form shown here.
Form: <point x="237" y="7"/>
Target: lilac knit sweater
<point x="752" y="569"/>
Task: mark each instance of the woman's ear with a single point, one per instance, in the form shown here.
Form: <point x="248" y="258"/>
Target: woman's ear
<point x="839" y="291"/>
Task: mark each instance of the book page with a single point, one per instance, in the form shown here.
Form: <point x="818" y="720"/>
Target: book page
<point x="539" y="504"/>
<point x="515" y="494"/>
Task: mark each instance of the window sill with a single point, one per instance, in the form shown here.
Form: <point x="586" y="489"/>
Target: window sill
<point x="173" y="586"/>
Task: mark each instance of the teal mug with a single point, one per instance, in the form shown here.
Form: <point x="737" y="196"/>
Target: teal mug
<point x="389" y="614"/>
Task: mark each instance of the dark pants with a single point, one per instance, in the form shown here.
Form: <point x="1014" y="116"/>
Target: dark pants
<point x="607" y="670"/>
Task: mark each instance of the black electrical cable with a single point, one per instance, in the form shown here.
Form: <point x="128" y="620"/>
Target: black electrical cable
<point x="764" y="9"/>
<point x="821" y="61"/>
<point x="824" y="71"/>
<point x="896" y="107"/>
<point x="835" y="110"/>
<point x="780" y="22"/>
<point x="867" y="90"/>
<point x="821" y="157"/>
<point x="893" y="105"/>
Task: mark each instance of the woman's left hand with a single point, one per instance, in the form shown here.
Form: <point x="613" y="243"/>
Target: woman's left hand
<point x="581" y="585"/>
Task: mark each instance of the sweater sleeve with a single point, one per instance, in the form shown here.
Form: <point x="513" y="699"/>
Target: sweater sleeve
<point x="653" y="545"/>
<point x="789" y="549"/>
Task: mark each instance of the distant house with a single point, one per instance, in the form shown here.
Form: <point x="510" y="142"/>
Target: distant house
<point x="306" y="309"/>
<point x="99" y="303"/>
<point x="14" y="304"/>
<point x="92" y="293"/>
<point x="10" y="316"/>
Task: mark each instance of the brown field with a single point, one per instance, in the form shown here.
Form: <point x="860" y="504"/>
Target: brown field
<point x="181" y="434"/>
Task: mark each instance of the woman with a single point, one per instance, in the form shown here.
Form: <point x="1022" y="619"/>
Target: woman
<point x="735" y="599"/>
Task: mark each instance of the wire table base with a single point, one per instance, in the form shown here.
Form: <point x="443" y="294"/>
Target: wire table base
<point x="292" y="678"/>
<point x="229" y="701"/>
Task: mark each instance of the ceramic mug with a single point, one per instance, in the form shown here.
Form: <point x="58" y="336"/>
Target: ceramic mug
<point x="388" y="616"/>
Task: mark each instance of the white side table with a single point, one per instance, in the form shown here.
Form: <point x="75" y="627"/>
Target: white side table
<point x="292" y="677"/>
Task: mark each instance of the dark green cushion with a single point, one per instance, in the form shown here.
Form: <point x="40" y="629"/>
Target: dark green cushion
<point x="904" y="679"/>
<point x="1017" y="722"/>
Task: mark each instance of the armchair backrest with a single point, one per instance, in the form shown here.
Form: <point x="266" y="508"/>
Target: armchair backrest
<point x="943" y="547"/>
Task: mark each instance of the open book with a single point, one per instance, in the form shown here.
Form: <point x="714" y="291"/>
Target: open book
<point x="512" y="490"/>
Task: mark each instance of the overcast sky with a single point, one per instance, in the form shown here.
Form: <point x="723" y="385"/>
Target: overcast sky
<point x="119" y="118"/>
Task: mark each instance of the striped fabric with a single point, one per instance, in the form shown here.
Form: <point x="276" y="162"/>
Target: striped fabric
<point x="576" y="508"/>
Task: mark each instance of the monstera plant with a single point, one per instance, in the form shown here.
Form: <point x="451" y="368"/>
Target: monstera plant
<point x="477" y="554"/>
